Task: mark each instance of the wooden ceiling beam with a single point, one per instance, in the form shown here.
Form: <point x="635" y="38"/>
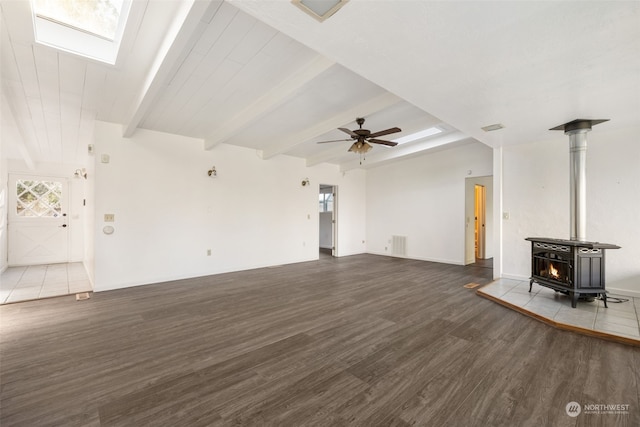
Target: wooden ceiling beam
<point x="271" y="100"/>
<point x="188" y="26"/>
<point x="362" y="109"/>
<point x="449" y="140"/>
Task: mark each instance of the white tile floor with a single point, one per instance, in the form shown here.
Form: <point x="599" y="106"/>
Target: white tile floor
<point x="618" y="319"/>
<point x="42" y="281"/>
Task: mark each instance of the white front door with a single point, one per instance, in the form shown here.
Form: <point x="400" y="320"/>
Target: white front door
<point x="38" y="221"/>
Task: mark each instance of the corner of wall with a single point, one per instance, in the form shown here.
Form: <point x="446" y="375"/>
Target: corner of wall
<point x="4" y="179"/>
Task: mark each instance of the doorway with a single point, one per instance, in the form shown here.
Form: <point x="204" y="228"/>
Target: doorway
<point x="44" y="231"/>
<point x="37" y="220"/>
<point x="478" y="220"/>
<point x="327" y="219"/>
<point x="480" y="226"/>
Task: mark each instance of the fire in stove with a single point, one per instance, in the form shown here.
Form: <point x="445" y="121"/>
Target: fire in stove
<point x="553" y="272"/>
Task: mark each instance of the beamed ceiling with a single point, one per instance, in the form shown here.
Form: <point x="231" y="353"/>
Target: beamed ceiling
<point x="266" y="76"/>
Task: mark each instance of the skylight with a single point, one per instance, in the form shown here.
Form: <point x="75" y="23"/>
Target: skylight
<point x="418" y="135"/>
<point x="91" y="28"/>
<point x="99" y="17"/>
<point x="319" y="9"/>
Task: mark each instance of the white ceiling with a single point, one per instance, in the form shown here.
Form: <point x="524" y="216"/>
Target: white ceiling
<point x="264" y="75"/>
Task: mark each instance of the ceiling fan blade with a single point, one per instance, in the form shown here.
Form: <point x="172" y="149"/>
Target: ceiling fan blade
<point x="334" y="140"/>
<point x="383" y="142"/>
<point x="385" y="132"/>
<point x="350" y="132"/>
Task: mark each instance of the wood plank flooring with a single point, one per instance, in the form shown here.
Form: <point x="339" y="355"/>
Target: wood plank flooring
<point x="362" y="340"/>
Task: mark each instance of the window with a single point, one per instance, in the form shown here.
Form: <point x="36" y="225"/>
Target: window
<point x="38" y="199"/>
<point x="326" y="202"/>
<point x="99" y="17"/>
<point x="91" y="28"/>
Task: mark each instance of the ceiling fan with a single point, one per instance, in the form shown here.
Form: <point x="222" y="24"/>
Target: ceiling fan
<point x="362" y="137"/>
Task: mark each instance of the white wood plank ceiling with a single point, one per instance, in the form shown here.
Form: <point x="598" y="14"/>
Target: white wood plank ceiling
<point x="265" y="76"/>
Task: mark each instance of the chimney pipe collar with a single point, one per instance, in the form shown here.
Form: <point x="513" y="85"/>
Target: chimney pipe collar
<point x="579" y="124"/>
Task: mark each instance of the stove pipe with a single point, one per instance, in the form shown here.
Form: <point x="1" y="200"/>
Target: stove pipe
<point x="577" y="131"/>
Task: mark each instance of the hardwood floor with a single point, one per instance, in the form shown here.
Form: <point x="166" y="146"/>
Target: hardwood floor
<point x="361" y="340"/>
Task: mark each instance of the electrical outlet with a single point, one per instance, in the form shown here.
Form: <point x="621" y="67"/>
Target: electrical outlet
<point x="208" y="252"/>
<point x="505" y="215"/>
<point x="109" y="217"/>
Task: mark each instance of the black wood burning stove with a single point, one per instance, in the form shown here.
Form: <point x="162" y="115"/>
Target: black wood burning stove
<point x="572" y="267"/>
<point x="575" y="266"/>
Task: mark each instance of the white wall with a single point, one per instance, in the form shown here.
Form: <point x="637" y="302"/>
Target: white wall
<point x="168" y="212"/>
<point x="423" y="198"/>
<point x="536" y="195"/>
<point x="90" y="219"/>
<point x="4" y="178"/>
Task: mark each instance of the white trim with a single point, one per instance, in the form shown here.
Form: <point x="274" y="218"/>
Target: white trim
<point x="623" y="292"/>
<point x="513" y="277"/>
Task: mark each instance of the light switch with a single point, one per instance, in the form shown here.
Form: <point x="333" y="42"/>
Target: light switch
<point x="104" y="158"/>
<point x="505" y="215"/>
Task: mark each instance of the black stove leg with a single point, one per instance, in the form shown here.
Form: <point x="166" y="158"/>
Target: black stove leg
<point x="604" y="298"/>
<point x="574" y="298"/>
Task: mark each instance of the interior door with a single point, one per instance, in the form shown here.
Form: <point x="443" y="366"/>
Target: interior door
<point x="480" y="221"/>
<point x="334" y="222"/>
<point x="38" y="222"/>
<point x="328" y="216"/>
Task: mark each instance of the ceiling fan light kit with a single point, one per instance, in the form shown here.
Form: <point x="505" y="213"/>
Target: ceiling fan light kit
<point x="360" y="147"/>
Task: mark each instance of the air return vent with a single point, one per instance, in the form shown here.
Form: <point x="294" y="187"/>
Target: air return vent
<point x="399" y="245"/>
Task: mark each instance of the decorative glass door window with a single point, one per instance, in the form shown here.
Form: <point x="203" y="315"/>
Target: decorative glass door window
<point x="326" y="202"/>
<point x="38" y="199"/>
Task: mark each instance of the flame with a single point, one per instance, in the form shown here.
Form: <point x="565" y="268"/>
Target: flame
<point x="553" y="272"/>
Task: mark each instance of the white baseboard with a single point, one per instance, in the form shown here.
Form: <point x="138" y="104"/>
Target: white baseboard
<point x="514" y="277"/>
<point x="623" y="292"/>
<point x="438" y="260"/>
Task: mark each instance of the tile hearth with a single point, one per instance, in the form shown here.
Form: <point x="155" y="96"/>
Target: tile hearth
<point x="618" y="320"/>
<point x="19" y="284"/>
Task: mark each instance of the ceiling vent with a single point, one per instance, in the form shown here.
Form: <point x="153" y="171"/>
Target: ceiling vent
<point x="319" y="9"/>
<point x="493" y="127"/>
